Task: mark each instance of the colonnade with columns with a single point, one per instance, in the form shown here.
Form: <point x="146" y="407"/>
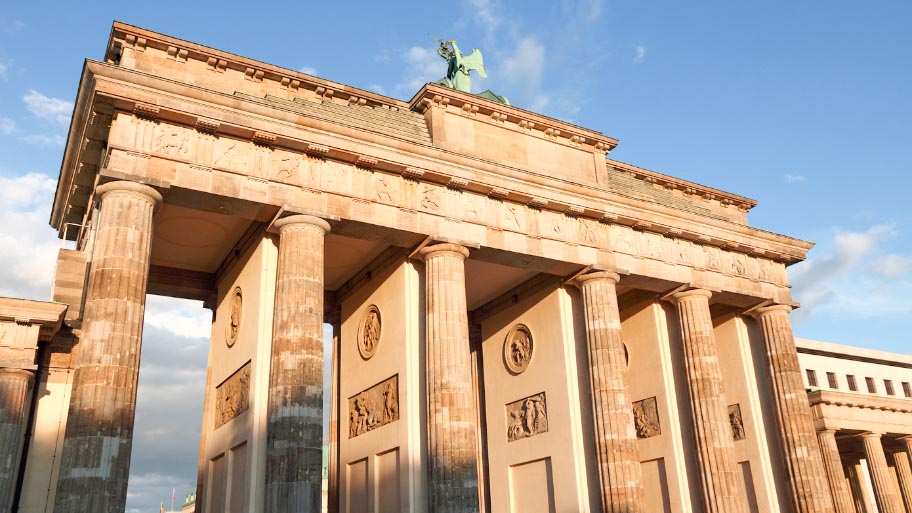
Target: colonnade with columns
<point x="99" y="433"/>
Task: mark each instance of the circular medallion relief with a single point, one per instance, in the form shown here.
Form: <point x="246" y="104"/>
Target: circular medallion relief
<point x="518" y="349"/>
<point x="369" y="332"/>
<point x="234" y="317"/>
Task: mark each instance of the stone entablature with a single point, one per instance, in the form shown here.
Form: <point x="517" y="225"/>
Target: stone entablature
<point x="345" y="178"/>
<point x="23" y="324"/>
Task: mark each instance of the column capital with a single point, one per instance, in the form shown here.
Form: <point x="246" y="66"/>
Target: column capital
<point x="442" y="249"/>
<point x="301" y="221"/>
<point x="677" y="297"/>
<point x="771" y="309"/>
<point x="123" y="186"/>
<point x="25" y="373"/>
<point x="827" y="431"/>
<point x="596" y="275"/>
<point x="868" y="435"/>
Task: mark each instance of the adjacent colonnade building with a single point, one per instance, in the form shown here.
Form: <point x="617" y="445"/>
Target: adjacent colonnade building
<point x="520" y="322"/>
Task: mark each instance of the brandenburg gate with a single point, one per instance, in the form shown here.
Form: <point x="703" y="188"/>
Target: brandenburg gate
<point x="520" y="322"/>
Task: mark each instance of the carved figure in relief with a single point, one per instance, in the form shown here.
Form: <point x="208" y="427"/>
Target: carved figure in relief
<point x="470" y="206"/>
<point x="172" y="140"/>
<point x="232" y="157"/>
<point x="738" y="265"/>
<point x="585" y="232"/>
<point x="511" y="217"/>
<point x="518" y="349"/>
<point x="429" y="198"/>
<point x="556" y="226"/>
<point x="362" y="414"/>
<point x="390" y="403"/>
<point x="232" y="396"/>
<point x="286" y="167"/>
<point x="234" y="317"/>
<point x="369" y="332"/>
<point x="737" y="423"/>
<point x="683" y="255"/>
<point x="382" y="193"/>
<point x="711" y="258"/>
<point x="527" y="417"/>
<point x="623" y="240"/>
<point x="646" y="418"/>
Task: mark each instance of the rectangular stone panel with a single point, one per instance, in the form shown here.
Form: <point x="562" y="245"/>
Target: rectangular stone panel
<point x="387" y="481"/>
<point x="532" y="487"/>
<point x="218" y="483"/>
<point x="646" y="418"/>
<point x="527" y="417"/>
<point x="374" y="407"/>
<point x="232" y="396"/>
<point x="356" y="498"/>
<point x="655" y="484"/>
<point x="239" y="479"/>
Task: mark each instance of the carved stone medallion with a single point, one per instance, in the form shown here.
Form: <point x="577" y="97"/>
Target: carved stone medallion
<point x="374" y="407"/>
<point x="527" y="417"/>
<point x="518" y="347"/>
<point x="369" y="332"/>
<point x="646" y="418"/>
<point x="737" y="423"/>
<point x="234" y="316"/>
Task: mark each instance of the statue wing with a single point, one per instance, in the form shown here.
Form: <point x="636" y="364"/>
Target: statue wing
<point x="475" y="61"/>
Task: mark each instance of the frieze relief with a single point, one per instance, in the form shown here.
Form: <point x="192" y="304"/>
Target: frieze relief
<point x="284" y="166"/>
<point x="172" y="140"/>
<point x="235" y="310"/>
<point x="527" y="417"/>
<point x="374" y="407"/>
<point x="646" y="418"/>
<point x="231" y="154"/>
<point x="232" y="396"/>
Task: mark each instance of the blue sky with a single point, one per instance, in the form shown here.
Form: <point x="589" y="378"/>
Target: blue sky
<point x="803" y="106"/>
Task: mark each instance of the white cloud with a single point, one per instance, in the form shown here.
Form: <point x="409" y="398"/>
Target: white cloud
<point x="639" y="55"/>
<point x="892" y="266"/>
<point x="485" y="13"/>
<point x="44" y="140"/>
<point x="28" y="246"/>
<point x="794" y="178"/>
<point x="377" y="88"/>
<point x="523" y="71"/>
<point x="308" y="70"/>
<point x="423" y="65"/>
<point x="7" y="126"/>
<point x="854" y="278"/>
<point x="53" y="110"/>
<point x="179" y="316"/>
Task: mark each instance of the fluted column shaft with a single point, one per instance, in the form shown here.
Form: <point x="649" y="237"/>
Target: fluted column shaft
<point x="904" y="475"/>
<point x="99" y="433"/>
<point x="620" y="477"/>
<point x="797" y="434"/>
<point x="452" y="460"/>
<point x="829" y="451"/>
<point x="723" y="485"/>
<point x="14" y="396"/>
<point x="294" y="424"/>
<point x="885" y="492"/>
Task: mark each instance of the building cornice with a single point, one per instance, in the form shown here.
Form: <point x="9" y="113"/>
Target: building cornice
<point x="862" y="401"/>
<point x="48" y="315"/>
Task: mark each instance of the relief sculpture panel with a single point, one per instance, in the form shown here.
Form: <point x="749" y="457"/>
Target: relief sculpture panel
<point x="646" y="418"/>
<point x="232" y="396"/>
<point x="527" y="417"/>
<point x="737" y="423"/>
<point x="374" y="407"/>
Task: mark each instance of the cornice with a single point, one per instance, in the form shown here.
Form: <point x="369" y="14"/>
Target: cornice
<point x="862" y="401"/>
<point x="47" y="315"/>
<point x="217" y="113"/>
<point x="431" y="95"/>
<point x="126" y="35"/>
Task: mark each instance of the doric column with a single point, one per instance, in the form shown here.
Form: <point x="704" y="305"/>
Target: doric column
<point x="99" y="433"/>
<point x="723" y="484"/>
<point x="904" y="475"/>
<point x="838" y="485"/>
<point x="888" y="500"/>
<point x="452" y="460"/>
<point x="14" y="396"/>
<point x="620" y="477"/>
<point x="294" y="443"/>
<point x="797" y="435"/>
